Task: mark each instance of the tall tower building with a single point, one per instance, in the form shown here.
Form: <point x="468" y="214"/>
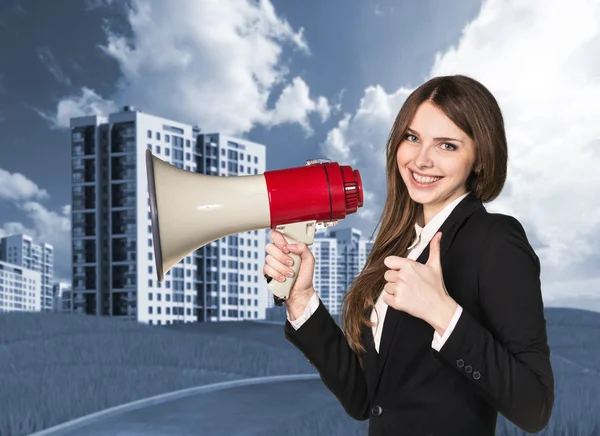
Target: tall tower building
<point x="21" y="250"/>
<point x="113" y="254"/>
<point x="340" y="254"/>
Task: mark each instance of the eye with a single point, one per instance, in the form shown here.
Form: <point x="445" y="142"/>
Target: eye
<point x="408" y="136"/>
<point x="450" y="145"/>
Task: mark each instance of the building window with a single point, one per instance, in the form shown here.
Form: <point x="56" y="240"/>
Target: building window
<point x="149" y="133"/>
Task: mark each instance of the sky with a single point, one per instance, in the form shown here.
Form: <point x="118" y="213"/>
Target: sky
<point x="313" y="80"/>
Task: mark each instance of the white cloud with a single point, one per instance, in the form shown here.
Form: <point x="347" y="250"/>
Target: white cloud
<point x="211" y="63"/>
<point x="547" y="84"/>
<point x="294" y="106"/>
<point x="49" y="61"/>
<point x="87" y="103"/>
<point x="17" y="187"/>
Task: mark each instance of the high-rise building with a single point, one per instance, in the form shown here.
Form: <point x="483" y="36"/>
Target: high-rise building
<point x="340" y="254"/>
<point x="62" y="297"/>
<point x="20" y="288"/>
<point x="21" y="250"/>
<point x="113" y="259"/>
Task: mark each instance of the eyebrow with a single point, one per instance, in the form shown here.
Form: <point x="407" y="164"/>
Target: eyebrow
<point x="435" y="139"/>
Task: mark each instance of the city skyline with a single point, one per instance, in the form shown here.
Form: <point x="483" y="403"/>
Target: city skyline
<point x="299" y="87"/>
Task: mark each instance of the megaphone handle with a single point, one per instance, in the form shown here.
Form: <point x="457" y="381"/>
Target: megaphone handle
<point x="297" y="232"/>
<point x="281" y="290"/>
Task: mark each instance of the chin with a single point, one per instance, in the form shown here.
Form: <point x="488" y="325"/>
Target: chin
<point x="422" y="197"/>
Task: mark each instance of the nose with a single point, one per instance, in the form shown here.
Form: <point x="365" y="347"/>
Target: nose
<point x="423" y="159"/>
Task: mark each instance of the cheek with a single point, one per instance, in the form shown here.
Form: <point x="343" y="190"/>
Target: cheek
<point x="402" y="156"/>
<point x="459" y="168"/>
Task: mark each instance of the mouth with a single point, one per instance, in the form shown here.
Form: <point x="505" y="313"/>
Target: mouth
<point x="423" y="181"/>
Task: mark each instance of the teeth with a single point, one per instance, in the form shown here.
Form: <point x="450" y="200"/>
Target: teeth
<point x="421" y="179"/>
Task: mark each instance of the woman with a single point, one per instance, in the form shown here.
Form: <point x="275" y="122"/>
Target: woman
<point x="444" y="327"/>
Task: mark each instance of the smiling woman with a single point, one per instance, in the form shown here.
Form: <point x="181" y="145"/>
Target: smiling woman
<point x="449" y="295"/>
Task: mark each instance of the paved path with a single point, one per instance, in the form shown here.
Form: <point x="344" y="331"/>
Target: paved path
<point x="231" y="409"/>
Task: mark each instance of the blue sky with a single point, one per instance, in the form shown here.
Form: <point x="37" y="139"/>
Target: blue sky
<point x="312" y="79"/>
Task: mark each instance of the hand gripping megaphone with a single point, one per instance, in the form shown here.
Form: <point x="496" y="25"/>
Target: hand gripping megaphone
<point x="189" y="210"/>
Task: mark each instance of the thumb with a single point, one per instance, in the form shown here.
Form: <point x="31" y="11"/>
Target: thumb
<point x="434" y="251"/>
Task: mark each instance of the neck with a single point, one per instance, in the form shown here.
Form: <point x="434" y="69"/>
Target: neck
<point x="428" y="211"/>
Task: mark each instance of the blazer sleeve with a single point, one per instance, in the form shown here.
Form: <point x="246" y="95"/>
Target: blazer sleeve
<point x="325" y="346"/>
<point x="506" y="357"/>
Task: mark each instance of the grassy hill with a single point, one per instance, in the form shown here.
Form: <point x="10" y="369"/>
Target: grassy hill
<point x="55" y="367"/>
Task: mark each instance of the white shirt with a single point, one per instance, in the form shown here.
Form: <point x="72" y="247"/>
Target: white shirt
<point x="423" y="237"/>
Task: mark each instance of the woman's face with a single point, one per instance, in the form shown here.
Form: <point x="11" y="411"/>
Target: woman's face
<point x="435" y="159"/>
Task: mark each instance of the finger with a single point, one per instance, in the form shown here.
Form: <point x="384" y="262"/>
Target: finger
<point x="396" y="262"/>
<point x="268" y="270"/>
<point x="391" y="276"/>
<point x="272" y="249"/>
<point x="434" y="250"/>
<point x="279" y="240"/>
<point x="278" y="266"/>
<point x="389" y="289"/>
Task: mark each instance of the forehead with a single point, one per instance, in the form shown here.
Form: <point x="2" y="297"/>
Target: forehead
<point x="431" y="122"/>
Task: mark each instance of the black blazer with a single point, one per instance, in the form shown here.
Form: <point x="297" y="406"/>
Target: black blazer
<point x="497" y="358"/>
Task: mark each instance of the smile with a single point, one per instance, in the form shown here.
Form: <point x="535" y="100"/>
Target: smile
<point x="423" y="181"/>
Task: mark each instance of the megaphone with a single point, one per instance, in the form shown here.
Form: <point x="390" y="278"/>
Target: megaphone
<point x="189" y="210"/>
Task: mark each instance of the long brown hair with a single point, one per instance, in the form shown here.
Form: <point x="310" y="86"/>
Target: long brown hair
<point x="475" y="111"/>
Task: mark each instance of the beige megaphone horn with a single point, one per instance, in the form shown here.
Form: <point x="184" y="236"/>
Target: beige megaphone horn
<point x="189" y="210"/>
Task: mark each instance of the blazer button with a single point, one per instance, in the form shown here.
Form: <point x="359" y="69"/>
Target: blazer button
<point x="460" y="363"/>
<point x="468" y="369"/>
<point x="377" y="410"/>
<point x="476" y="375"/>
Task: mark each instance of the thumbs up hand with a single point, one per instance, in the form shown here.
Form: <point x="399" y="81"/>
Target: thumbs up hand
<point x="419" y="289"/>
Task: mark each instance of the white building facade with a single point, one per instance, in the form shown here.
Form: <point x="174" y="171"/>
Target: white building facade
<point x="20" y="288"/>
<point x="21" y="250"/>
<point x="340" y="255"/>
<point x="114" y="268"/>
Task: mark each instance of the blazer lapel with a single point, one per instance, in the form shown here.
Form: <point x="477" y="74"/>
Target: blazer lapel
<point x="393" y="317"/>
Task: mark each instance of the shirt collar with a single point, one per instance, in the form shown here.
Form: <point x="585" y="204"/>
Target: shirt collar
<point x="425" y="234"/>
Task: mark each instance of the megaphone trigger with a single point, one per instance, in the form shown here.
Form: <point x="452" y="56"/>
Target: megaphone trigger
<point x="296" y="232"/>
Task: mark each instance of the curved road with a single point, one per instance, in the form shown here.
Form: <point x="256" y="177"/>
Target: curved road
<point x="242" y="409"/>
